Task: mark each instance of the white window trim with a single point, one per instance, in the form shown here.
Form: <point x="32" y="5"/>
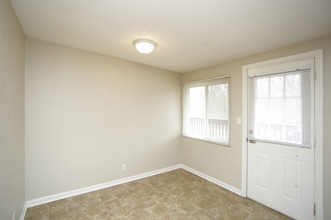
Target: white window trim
<point x="317" y="55"/>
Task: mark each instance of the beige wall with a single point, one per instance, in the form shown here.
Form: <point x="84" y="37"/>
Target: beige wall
<point x="12" y="194"/>
<point x="86" y="114"/>
<point x="224" y="163"/>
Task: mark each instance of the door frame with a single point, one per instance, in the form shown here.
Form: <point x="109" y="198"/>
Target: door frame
<point x="317" y="55"/>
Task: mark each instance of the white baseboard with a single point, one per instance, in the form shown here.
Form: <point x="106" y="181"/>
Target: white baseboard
<point x="212" y="179"/>
<point x="76" y="192"/>
<point x="43" y="200"/>
<point x="23" y="212"/>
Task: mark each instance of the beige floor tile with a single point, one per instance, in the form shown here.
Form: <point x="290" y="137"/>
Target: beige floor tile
<point x="173" y="195"/>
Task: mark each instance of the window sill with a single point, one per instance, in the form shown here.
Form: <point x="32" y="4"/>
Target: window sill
<point x="207" y="141"/>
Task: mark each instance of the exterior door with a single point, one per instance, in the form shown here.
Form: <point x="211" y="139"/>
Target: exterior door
<point x="281" y="138"/>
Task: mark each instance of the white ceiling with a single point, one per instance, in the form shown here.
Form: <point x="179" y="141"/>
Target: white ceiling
<point x="191" y="34"/>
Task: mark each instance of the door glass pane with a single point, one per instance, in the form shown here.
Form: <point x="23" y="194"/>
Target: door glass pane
<point x="293" y="85"/>
<point x="276" y="86"/>
<point x="281" y="109"/>
<point x="262" y="88"/>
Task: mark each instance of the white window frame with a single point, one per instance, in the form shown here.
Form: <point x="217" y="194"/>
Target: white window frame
<point x="206" y="83"/>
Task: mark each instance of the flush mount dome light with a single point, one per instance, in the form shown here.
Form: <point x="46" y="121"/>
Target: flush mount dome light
<point x="144" y="46"/>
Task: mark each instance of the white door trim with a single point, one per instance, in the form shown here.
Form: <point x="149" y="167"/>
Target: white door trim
<point x="318" y="56"/>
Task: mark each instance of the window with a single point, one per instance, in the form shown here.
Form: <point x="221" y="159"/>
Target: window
<point x="281" y="107"/>
<point x="206" y="110"/>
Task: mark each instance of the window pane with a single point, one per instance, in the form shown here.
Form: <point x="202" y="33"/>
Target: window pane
<point x="276" y="110"/>
<point x="218" y="101"/>
<point x="218" y="113"/>
<point x="197" y="102"/>
<point x="206" y="110"/>
<point x="197" y="112"/>
<point x="293" y="115"/>
<point x="293" y="85"/>
<point x="261" y="110"/>
<point x="284" y="116"/>
<point x="276" y="86"/>
<point x="262" y="88"/>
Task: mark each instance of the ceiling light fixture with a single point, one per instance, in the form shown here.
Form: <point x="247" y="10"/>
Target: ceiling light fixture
<point x="144" y="46"/>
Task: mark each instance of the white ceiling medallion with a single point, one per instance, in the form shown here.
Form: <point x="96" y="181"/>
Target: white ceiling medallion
<point x="144" y="46"/>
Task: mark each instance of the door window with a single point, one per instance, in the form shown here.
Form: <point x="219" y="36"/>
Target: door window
<point x="281" y="108"/>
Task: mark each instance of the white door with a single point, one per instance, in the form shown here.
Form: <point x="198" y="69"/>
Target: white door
<point x="281" y="138"/>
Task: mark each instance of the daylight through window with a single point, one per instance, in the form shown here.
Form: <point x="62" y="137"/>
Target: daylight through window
<point x="206" y="110"/>
<point x="281" y="107"/>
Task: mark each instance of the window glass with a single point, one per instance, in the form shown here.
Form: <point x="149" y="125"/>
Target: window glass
<point x="282" y="107"/>
<point x="206" y="110"/>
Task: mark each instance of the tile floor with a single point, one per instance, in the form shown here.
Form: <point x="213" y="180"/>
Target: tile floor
<point x="173" y="195"/>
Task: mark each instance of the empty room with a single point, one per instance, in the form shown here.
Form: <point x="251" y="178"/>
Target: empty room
<point x="165" y="109"/>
